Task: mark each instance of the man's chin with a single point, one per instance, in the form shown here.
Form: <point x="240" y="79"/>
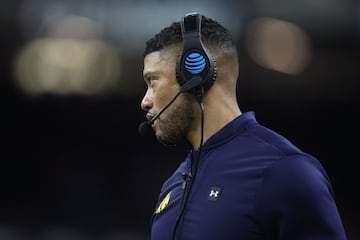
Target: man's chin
<point x="166" y="142"/>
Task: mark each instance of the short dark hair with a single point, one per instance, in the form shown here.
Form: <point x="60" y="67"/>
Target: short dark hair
<point x="213" y="35"/>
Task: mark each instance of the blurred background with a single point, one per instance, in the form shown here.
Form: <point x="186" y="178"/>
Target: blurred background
<point x="73" y="165"/>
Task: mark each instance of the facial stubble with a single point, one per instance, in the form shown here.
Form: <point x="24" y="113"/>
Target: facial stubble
<point x="179" y="119"/>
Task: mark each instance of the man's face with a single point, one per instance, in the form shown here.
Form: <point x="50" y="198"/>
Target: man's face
<point x="160" y="77"/>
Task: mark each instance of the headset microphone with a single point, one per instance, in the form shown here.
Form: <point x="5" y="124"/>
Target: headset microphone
<point x="145" y="128"/>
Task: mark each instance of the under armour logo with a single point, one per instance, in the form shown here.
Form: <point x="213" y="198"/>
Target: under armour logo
<point x="214" y="193"/>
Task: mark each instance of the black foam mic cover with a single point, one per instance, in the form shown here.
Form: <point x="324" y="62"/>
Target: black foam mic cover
<point x="145" y="129"/>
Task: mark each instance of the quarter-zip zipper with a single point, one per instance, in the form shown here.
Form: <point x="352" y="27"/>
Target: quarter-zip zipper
<point x="188" y="181"/>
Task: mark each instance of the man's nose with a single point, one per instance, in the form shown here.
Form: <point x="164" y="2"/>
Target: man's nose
<point x="147" y="101"/>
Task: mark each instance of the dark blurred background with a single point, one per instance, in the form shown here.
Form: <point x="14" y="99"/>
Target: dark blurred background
<point x="73" y="165"/>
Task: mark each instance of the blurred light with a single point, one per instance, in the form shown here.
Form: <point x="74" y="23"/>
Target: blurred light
<point x="73" y="26"/>
<point x="278" y="45"/>
<point x="71" y="59"/>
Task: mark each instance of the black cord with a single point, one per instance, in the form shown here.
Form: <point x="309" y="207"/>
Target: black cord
<point x="193" y="171"/>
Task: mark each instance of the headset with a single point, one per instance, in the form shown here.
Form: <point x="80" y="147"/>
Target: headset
<point x="195" y="61"/>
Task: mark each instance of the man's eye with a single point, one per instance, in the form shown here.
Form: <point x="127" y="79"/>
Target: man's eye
<point x="150" y="79"/>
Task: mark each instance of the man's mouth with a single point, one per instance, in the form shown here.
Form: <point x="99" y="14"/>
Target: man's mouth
<point x="149" y="116"/>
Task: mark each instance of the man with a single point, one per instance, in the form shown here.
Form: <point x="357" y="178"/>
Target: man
<point x="239" y="180"/>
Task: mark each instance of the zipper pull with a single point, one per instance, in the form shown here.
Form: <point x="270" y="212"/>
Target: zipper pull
<point x="186" y="178"/>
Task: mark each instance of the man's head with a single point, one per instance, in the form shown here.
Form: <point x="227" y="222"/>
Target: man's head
<point x="160" y="58"/>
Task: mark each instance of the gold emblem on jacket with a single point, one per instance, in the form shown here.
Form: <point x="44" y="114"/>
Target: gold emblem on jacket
<point x="164" y="203"/>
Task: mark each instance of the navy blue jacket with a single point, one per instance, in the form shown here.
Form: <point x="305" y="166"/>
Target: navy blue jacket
<point x="250" y="184"/>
